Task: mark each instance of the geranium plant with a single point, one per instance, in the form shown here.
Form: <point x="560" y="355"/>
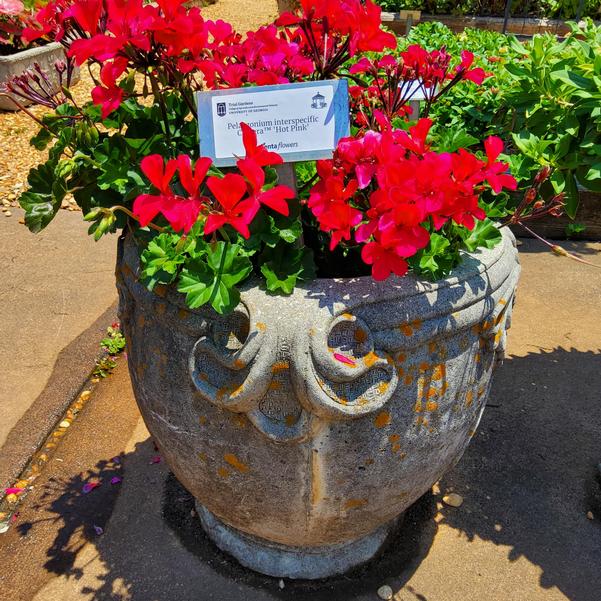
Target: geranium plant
<point x="386" y="202"/>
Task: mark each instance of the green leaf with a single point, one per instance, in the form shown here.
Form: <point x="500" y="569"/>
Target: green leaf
<point x="517" y="70"/>
<point x="572" y="197"/>
<point x="39" y="211"/>
<point x="212" y="277"/>
<point x="41" y="140"/>
<point x="434" y="258"/>
<point x="437" y="259"/>
<point x="530" y="144"/>
<point x="517" y="46"/>
<point x="451" y="140"/>
<point x="43" y="199"/>
<point x="590" y="176"/>
<point x="485" y="233"/>
<point x="161" y="259"/>
<point x="574" y="80"/>
<point x="269" y="228"/>
<point x="558" y="181"/>
<point x="574" y="228"/>
<point x="284" y="265"/>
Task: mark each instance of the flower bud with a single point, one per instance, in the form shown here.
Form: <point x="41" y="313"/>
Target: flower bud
<point x="542" y="175"/>
<point x="93" y="214"/>
<point x="556" y="211"/>
<point x="530" y="195"/>
<point x="539" y="204"/>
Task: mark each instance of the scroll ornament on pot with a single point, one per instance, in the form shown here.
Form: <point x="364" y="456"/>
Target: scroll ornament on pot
<point x="346" y="377"/>
<point x="282" y="380"/>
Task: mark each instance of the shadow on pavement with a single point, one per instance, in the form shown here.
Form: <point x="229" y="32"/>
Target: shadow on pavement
<point x="407" y="546"/>
<point x="531" y="476"/>
<point x="578" y="247"/>
<point x="528" y="478"/>
<point x="77" y="515"/>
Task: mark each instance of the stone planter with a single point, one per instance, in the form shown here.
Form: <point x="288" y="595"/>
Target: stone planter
<point x="15" y="64"/>
<point x="301" y="464"/>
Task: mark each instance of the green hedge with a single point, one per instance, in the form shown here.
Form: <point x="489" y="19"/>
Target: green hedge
<point x="552" y="9"/>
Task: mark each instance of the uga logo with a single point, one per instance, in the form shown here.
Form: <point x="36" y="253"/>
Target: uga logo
<point x="221" y="109"/>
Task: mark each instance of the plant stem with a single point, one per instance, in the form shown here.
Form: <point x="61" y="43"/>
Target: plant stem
<point x="160" y="101"/>
<point x="130" y="214"/>
<point x="558" y="250"/>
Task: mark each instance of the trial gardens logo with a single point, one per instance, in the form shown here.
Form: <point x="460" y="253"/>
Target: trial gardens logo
<point x="319" y="101"/>
<point x="221" y="109"/>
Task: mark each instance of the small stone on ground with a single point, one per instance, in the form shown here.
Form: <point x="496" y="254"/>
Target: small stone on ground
<point x="453" y="500"/>
<point x="385" y="592"/>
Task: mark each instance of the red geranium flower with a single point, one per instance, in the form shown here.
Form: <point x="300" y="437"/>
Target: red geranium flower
<point x="180" y="212"/>
<point x="258" y="153"/>
<point x="238" y="213"/>
<point x="275" y="198"/>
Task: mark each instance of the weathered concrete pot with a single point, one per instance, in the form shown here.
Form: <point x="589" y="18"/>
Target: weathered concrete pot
<point x="301" y="463"/>
<point x="16" y="64"/>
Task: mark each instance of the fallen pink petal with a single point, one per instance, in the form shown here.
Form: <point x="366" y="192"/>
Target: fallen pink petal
<point x="155" y="459"/>
<point x="14" y="517"/>
<point x="13" y="490"/>
<point x="344" y="359"/>
<point x="89" y="487"/>
<point x="116" y="480"/>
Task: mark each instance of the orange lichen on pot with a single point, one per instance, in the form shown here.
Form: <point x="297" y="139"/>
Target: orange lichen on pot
<point x="360" y="335"/>
<point x="383" y="419"/>
<point x="236" y="463"/>
<point x="370" y="359"/>
<point x="355" y="503"/>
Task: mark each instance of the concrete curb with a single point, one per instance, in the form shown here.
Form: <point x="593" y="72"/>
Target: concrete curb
<point x="72" y="367"/>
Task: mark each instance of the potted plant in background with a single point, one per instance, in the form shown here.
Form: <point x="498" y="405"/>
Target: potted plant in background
<point x="17" y="55"/>
<point x="308" y="363"/>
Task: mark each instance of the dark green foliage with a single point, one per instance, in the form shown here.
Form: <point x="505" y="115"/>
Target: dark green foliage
<point x="551" y="9"/>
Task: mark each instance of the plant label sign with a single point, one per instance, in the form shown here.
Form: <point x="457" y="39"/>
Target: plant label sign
<point x="414" y="91"/>
<point x="300" y="121"/>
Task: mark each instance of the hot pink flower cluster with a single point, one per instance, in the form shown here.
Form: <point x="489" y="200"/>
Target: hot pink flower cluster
<point x="235" y="199"/>
<point x="169" y="42"/>
<point x="177" y="48"/>
<point x="333" y="31"/>
<point x="263" y="57"/>
<point x="394" y="81"/>
<point x="356" y="21"/>
<point x="387" y="191"/>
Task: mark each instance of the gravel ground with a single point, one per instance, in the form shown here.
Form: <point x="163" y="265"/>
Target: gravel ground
<point x="243" y="14"/>
<point x="17" y="157"/>
<point x="16" y="128"/>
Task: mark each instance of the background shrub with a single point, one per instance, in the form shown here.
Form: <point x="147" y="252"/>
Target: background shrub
<point x="552" y="9"/>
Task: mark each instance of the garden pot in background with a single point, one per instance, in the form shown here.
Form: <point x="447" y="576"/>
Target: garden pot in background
<point x="15" y="64"/>
<point x="306" y="425"/>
